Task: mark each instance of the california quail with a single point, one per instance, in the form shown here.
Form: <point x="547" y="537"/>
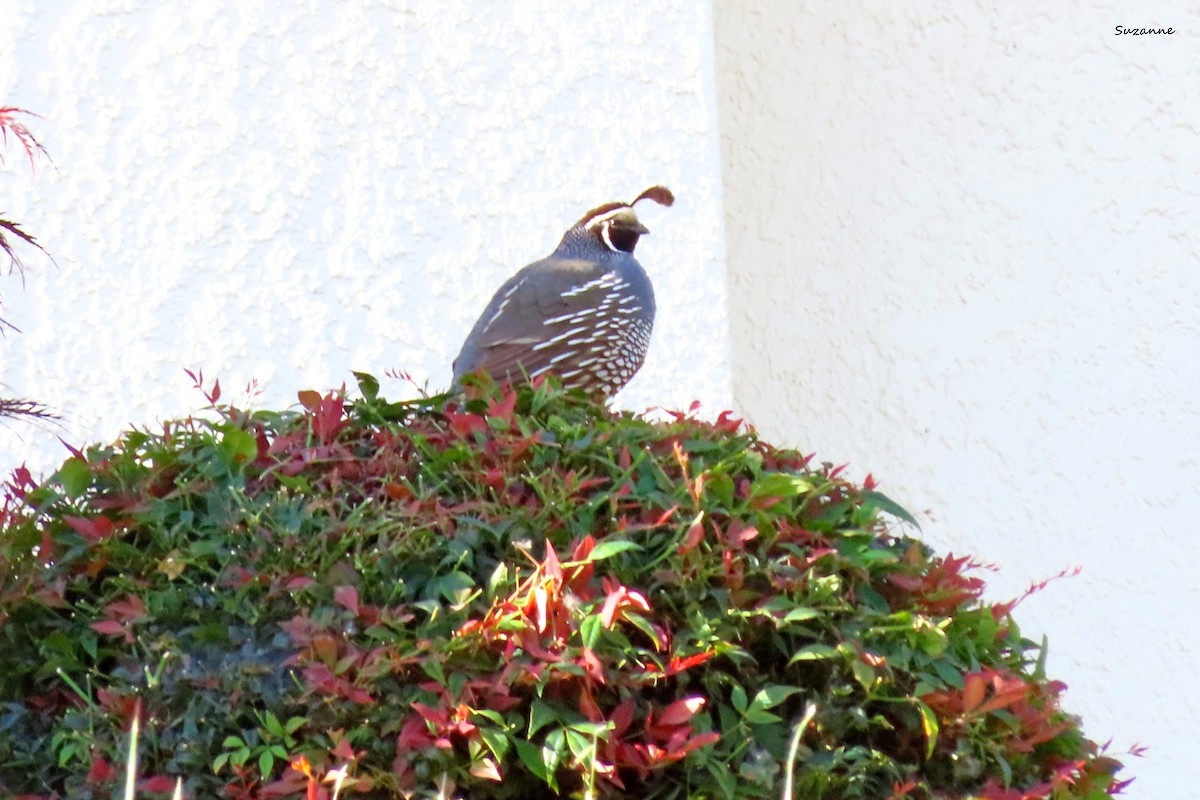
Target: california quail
<point x="584" y="312"/>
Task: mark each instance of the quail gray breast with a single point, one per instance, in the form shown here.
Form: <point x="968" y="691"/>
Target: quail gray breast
<point x="583" y="313"/>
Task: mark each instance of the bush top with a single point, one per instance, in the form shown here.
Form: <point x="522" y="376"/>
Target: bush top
<point x="521" y="594"/>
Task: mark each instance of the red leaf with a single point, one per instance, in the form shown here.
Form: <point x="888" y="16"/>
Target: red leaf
<point x="622" y="718"/>
<point x="666" y="515"/>
<point x="94" y="529"/>
<point x="681" y="711"/>
<point x="727" y="422"/>
<point x="309" y="399"/>
<point x="694" y="535"/>
<point x="157" y="784"/>
<point x="551" y="566"/>
<point x="46" y="549"/>
<point x="343" y="751"/>
<point x="101" y="771"/>
<point x="437" y="716"/>
<point x="696" y="742"/>
<point x="973" y="690"/>
<point x="740" y="535"/>
<point x="677" y="665"/>
<point x="129" y="608"/>
<point x="466" y="424"/>
<point x="109" y="627"/>
<point x="503" y="409"/>
<point x="118" y="705"/>
<point x="347" y="598"/>
<point x="618" y="599"/>
<point x="591" y="665"/>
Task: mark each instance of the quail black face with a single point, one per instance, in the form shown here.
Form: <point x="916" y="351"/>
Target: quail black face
<point x="584" y="313"/>
<point x="618" y="229"/>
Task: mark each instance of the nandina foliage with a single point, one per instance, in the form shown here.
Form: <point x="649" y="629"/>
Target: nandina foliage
<point x="521" y="595"/>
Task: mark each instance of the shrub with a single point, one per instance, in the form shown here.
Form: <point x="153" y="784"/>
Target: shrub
<point x="519" y="596"/>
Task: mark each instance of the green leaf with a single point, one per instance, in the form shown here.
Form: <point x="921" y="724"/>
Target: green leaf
<point x="611" y="547"/>
<point x="496" y="741"/>
<point x="266" y="762"/>
<point x="498" y="580"/>
<point x="554" y="751"/>
<point x="772" y="696"/>
<point x="800" y="614"/>
<point x="581" y="746"/>
<point x="756" y="716"/>
<point x="738" y="698"/>
<point x="863" y="673"/>
<point x="75" y="476"/>
<point x="490" y="715"/>
<point x="367" y="385"/>
<point x="540" y="715"/>
<point x="231" y="742"/>
<point x="948" y="673"/>
<point x="814" y="652"/>
<point x="454" y="586"/>
<point x="273" y="725"/>
<point x="642" y="624"/>
<point x="886" y="504"/>
<point x="531" y="756"/>
<point x="1039" y="670"/>
<point x="720" y="486"/>
<point x="434" y="670"/>
<point x="929" y="724"/>
<point x="590" y="629"/>
<point x="932" y="639"/>
<point x="780" y="484"/>
<point x="237" y="445"/>
<point x="723" y="777"/>
<point x="597" y="730"/>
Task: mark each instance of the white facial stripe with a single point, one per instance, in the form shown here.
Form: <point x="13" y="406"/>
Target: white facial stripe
<point x="605" y="217"/>
<point x="607" y="237"/>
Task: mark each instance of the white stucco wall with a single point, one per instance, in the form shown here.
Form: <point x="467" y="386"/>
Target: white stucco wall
<point x="965" y="256"/>
<point x="290" y="191"/>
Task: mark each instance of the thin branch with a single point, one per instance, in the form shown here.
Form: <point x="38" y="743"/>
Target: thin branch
<point x="25" y="409"/>
<point x="29" y="143"/>
<point x="15" y="230"/>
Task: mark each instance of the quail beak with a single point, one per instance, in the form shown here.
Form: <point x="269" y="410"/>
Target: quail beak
<point x="641" y="229"/>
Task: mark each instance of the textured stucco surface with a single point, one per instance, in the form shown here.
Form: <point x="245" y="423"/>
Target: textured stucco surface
<point x="964" y="243"/>
<point x="290" y="191"/>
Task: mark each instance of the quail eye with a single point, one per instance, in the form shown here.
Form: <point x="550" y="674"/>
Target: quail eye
<point x="620" y="238"/>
